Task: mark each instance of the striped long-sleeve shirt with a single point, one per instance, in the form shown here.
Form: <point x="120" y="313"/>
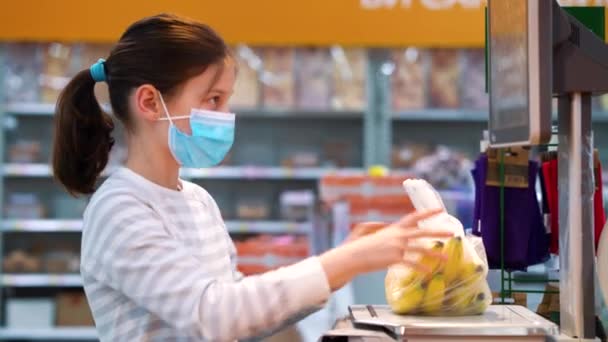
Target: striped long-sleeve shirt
<point x="159" y="265"/>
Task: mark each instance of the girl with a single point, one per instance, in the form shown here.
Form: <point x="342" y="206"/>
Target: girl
<point x="157" y="261"/>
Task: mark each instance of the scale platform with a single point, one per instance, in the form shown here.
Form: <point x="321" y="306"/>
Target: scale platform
<point x="499" y="322"/>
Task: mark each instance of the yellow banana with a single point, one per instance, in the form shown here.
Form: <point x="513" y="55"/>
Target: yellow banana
<point x="470" y="274"/>
<point x="454" y="254"/>
<point x="406" y="300"/>
<point x="435" y="294"/>
<point x="433" y="263"/>
<point x="478" y="304"/>
<point x="458" y="300"/>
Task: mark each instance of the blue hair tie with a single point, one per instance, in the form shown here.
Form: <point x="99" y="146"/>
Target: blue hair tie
<point x="98" y="70"/>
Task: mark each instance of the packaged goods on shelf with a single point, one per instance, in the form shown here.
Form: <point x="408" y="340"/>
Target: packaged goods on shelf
<point x="445" y="78"/>
<point x="56" y="70"/>
<point x="301" y="159"/>
<point x="24" y="151"/>
<point x="348" y="78"/>
<point x="445" y="168"/>
<point x="278" y="77"/>
<point x="60" y="262"/>
<point x="251" y="208"/>
<point x="24" y="205"/>
<point x="369" y="198"/>
<point x="297" y="205"/>
<point x="247" y="86"/>
<point x="408" y="79"/>
<point x="23" y="68"/>
<point x="406" y="154"/>
<point x="19" y="261"/>
<point x="337" y="187"/>
<point x="474" y="95"/>
<point x="30" y="313"/>
<point x="337" y="153"/>
<point x="263" y="253"/>
<point x="313" y="76"/>
<point x="73" y="310"/>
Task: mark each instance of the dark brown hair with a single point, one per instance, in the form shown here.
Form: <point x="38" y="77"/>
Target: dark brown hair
<point x="164" y="51"/>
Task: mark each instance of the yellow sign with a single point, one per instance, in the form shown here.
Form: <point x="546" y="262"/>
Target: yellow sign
<point x="441" y="23"/>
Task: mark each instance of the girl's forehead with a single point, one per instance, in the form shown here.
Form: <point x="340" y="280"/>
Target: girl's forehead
<point x="217" y="76"/>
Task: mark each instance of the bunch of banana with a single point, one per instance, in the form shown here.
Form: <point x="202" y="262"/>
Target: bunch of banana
<point x="455" y="286"/>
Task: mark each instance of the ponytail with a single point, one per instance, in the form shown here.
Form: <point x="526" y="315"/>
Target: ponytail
<point x="83" y="140"/>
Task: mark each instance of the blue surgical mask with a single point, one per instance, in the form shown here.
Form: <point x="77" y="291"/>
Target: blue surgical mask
<point x="211" y="139"/>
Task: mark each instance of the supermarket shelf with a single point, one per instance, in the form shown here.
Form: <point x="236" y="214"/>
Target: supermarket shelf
<point x="57" y="334"/>
<point x="440" y="115"/>
<point x="268" y="260"/>
<point x="237" y="226"/>
<point x="264" y="113"/>
<point x="443" y="115"/>
<point x="48" y="109"/>
<point x="464" y="115"/>
<point x="41" y="225"/>
<point x="223" y="172"/>
<point x="41" y="280"/>
<point x="30" y="108"/>
<point x="257" y="172"/>
<point x="269" y="227"/>
<point x="26" y="170"/>
<point x="34" y="170"/>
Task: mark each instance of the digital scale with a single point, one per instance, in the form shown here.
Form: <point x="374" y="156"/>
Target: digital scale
<point x="499" y="323"/>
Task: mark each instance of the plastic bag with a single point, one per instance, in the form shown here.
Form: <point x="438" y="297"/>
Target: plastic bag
<point x="456" y="286"/>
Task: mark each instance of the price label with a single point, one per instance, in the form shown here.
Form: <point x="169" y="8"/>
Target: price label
<point x="290" y="227"/>
<point x="9" y="280"/>
<point x="55" y="280"/>
<point x="289" y="172"/>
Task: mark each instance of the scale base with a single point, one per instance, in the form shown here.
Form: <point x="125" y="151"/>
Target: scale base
<point x="498" y="323"/>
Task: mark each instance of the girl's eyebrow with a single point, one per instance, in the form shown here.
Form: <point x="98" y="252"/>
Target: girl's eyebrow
<point x="220" y="91"/>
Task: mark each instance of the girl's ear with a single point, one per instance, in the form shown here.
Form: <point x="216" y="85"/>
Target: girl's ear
<point x="146" y="103"/>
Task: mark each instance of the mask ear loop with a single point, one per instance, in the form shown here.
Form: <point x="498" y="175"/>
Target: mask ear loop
<point x="168" y="117"/>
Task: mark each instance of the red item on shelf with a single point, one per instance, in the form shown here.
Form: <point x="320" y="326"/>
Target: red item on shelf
<point x="550" y="176"/>
<point x="550" y="170"/>
<point x="599" y="214"/>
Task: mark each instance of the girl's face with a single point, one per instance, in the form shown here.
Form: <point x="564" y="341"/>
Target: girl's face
<point x="210" y="90"/>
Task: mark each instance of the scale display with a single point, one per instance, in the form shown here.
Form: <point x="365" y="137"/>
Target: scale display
<point x="520" y="72"/>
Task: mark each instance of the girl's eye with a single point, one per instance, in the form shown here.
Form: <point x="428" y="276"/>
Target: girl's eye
<point x="214" y="100"/>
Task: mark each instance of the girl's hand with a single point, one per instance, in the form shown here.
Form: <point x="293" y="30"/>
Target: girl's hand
<point x="378" y="251"/>
<point x="363" y="229"/>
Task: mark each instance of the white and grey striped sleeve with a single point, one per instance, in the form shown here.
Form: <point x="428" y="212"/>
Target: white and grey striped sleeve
<point x="138" y="257"/>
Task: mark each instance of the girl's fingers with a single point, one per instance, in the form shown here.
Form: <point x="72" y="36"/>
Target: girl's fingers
<point x="413" y="219"/>
<point x="417" y="267"/>
<point x="426" y="252"/>
<point x="368" y="227"/>
<point x="427" y="233"/>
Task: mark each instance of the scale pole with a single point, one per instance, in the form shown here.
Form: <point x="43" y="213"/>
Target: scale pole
<point x="576" y="244"/>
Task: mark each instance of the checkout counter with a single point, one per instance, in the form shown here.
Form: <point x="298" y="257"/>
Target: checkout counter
<point x="557" y="57"/>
